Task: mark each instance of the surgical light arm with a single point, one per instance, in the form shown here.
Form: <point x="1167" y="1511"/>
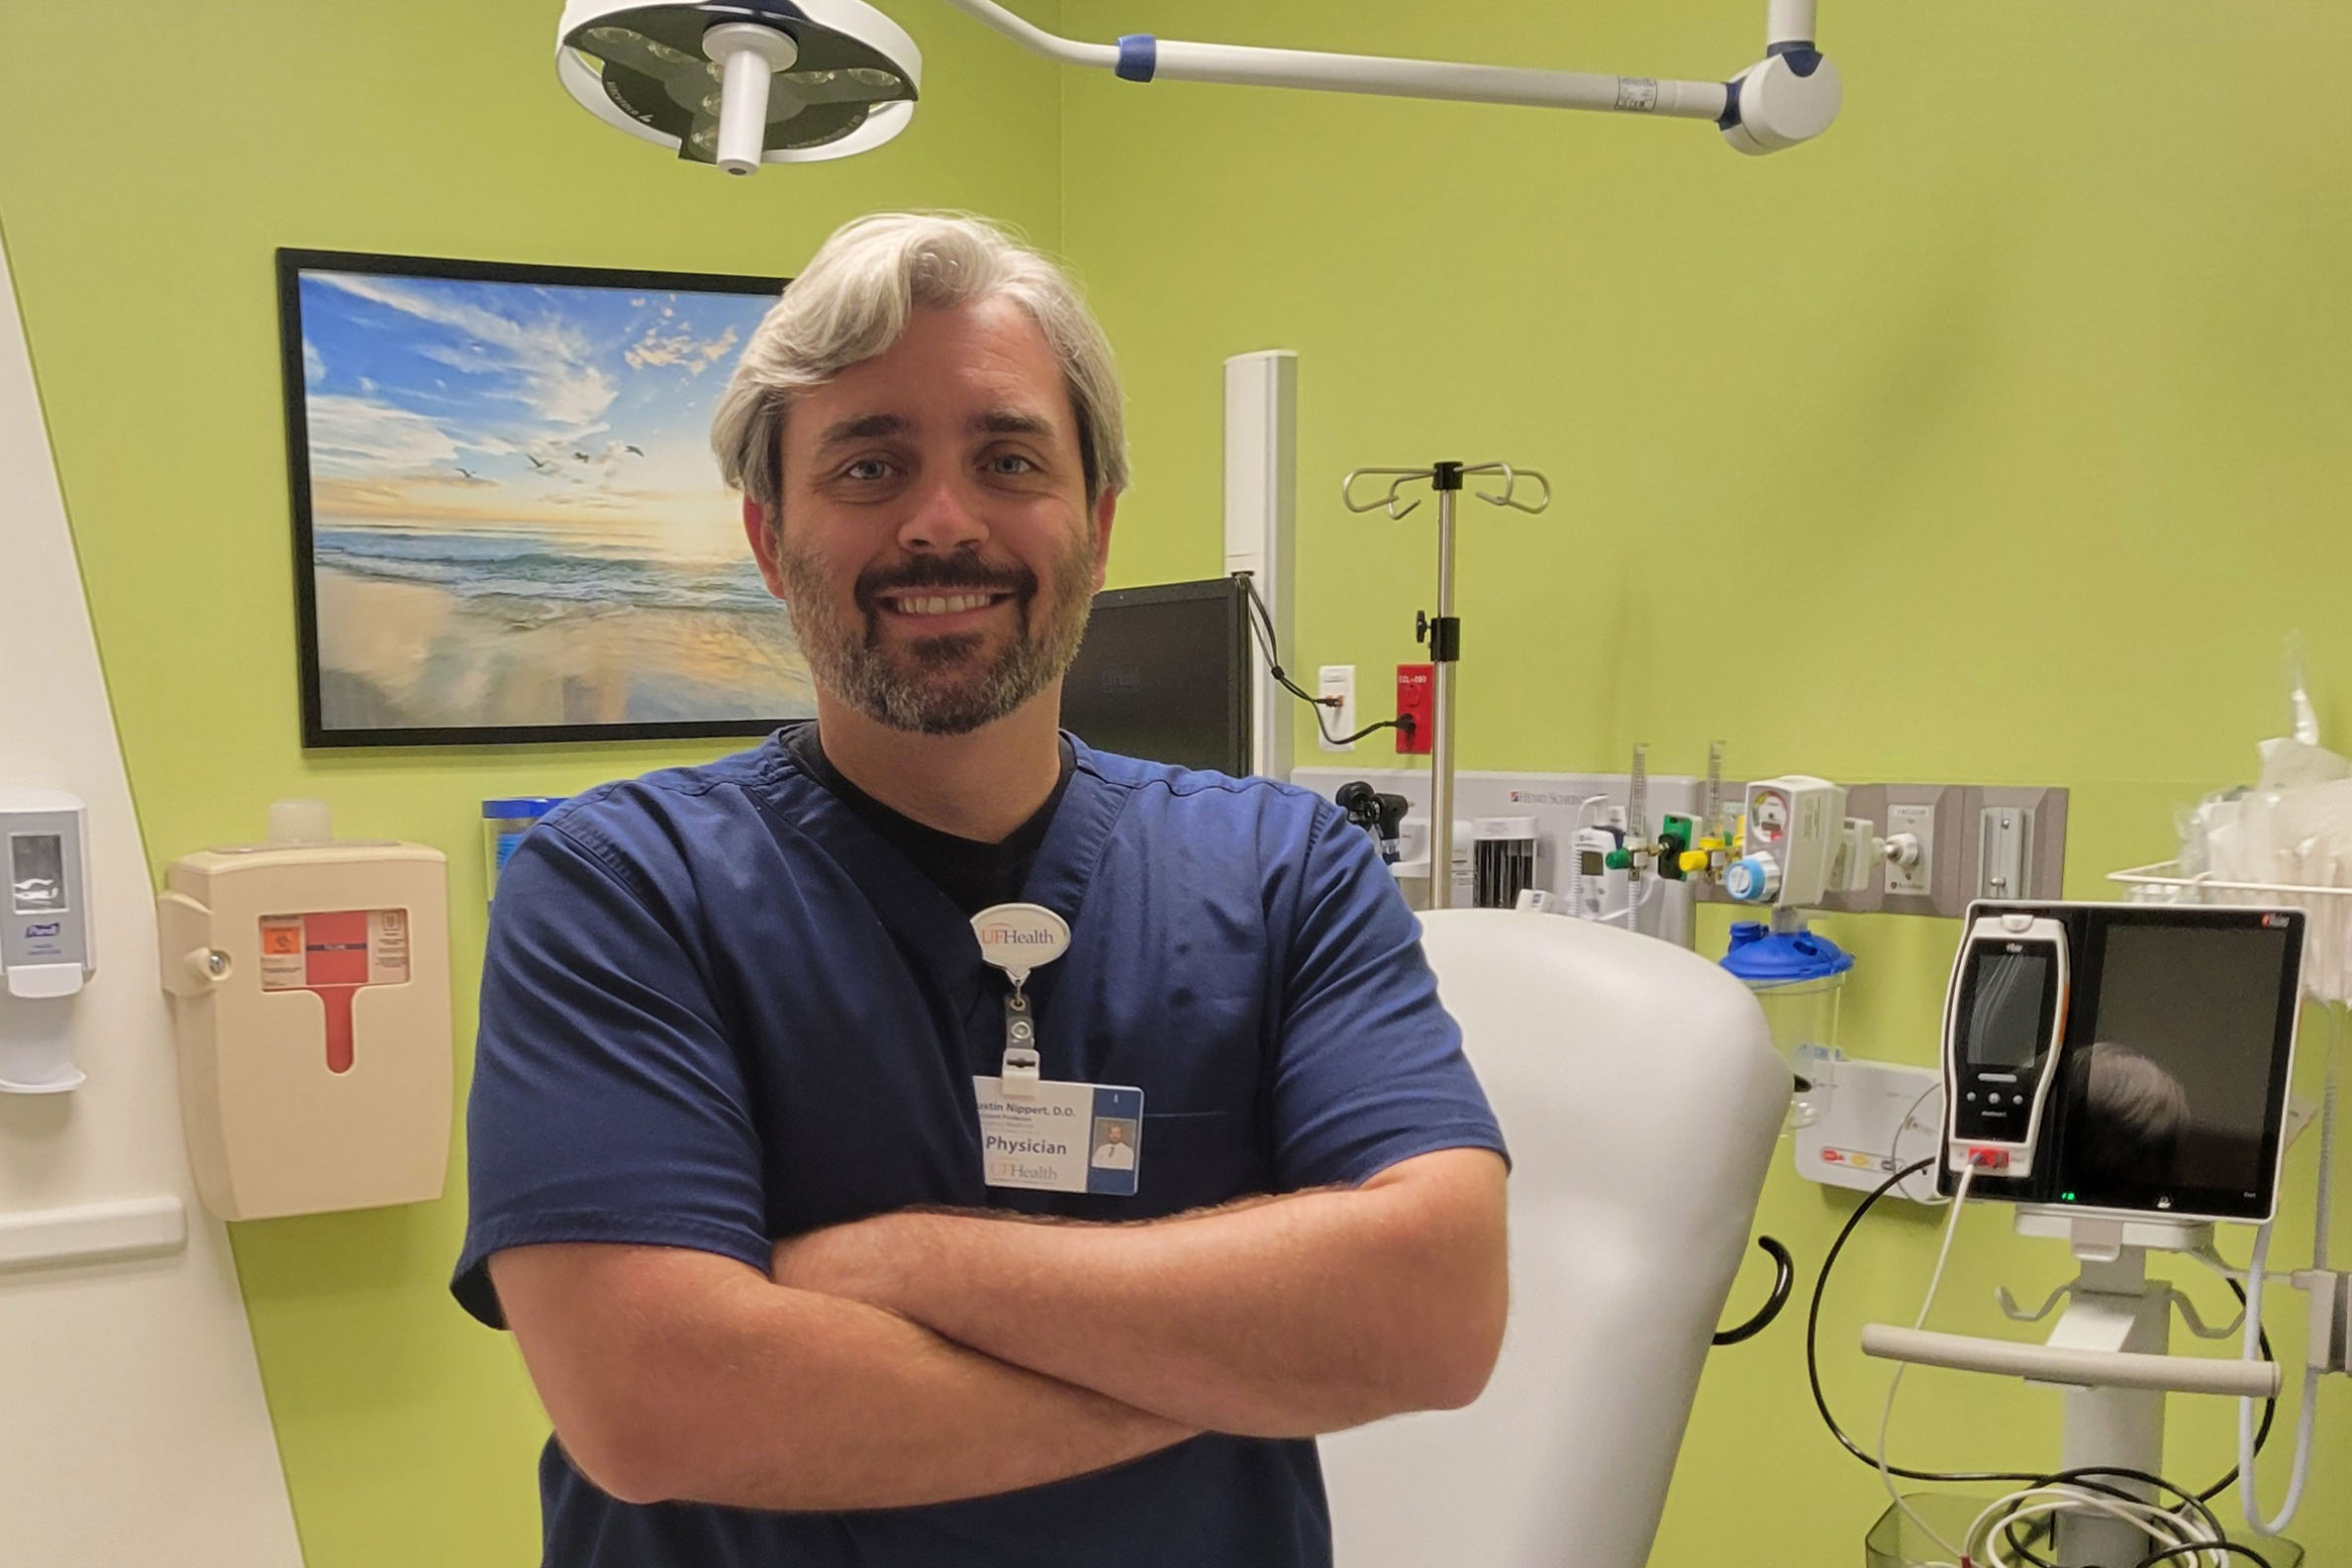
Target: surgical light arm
<point x="1790" y="96"/>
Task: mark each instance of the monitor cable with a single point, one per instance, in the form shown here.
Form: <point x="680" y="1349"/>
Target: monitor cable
<point x="2175" y="1535"/>
<point x="2176" y="1553"/>
<point x="1261" y="622"/>
<point x="2189" y="1530"/>
<point x="1812" y="1374"/>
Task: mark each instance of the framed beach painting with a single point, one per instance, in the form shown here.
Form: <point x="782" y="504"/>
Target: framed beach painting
<point x="508" y="523"/>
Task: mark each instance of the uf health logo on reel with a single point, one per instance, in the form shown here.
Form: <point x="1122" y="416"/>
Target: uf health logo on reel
<point x="1020" y="938"/>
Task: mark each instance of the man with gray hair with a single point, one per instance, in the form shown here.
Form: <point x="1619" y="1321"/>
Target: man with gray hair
<point x="780" y="1160"/>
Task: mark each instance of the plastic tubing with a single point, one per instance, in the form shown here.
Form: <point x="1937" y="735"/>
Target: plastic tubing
<point x="2248" y="1488"/>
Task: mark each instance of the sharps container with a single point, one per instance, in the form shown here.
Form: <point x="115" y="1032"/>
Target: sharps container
<point x="504" y="823"/>
<point x="1797" y="977"/>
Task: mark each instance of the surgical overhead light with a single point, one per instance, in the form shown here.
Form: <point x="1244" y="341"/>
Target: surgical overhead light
<point x="741" y="84"/>
<point x="783" y="81"/>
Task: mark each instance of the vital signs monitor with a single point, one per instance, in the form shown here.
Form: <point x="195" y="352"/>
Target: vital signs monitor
<point x="2122" y="1058"/>
<point x="2003" y="1018"/>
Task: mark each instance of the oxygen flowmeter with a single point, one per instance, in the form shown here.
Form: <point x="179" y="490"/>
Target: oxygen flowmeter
<point x="310" y="984"/>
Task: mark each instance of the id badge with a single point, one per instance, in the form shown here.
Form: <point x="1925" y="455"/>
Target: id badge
<point x="1071" y="1137"/>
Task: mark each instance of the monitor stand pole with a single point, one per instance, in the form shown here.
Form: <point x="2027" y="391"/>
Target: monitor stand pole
<point x="2113" y="1306"/>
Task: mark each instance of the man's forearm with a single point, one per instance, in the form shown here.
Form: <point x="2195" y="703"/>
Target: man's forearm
<point x="1281" y="1317"/>
<point x="738" y="1392"/>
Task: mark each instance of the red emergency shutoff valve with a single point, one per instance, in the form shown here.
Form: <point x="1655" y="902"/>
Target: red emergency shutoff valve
<point x="1417" y="728"/>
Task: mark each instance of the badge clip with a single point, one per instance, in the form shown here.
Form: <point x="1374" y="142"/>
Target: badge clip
<point x="1020" y="1070"/>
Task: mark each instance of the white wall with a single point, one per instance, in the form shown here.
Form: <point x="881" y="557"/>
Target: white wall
<point x="132" y="1423"/>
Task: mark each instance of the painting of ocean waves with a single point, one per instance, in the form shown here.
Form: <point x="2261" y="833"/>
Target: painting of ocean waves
<point x="511" y="521"/>
<point x="523" y="568"/>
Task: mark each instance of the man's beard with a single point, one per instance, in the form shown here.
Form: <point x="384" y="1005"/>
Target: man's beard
<point x="938" y="685"/>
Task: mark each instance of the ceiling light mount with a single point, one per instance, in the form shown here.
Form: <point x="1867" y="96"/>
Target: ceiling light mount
<point x="778" y="81"/>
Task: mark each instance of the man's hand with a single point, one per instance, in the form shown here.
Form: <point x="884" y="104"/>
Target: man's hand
<point x="1280" y="1317"/>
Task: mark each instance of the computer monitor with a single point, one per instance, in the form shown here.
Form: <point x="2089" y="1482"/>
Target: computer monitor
<point x="1164" y="674"/>
<point x="2169" y="1094"/>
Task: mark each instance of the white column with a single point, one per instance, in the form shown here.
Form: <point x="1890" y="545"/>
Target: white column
<point x="1261" y="501"/>
<point x="132" y="1423"/>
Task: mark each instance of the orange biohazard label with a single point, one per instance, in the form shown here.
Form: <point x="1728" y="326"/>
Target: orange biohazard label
<point x="332" y="955"/>
<point x="282" y="966"/>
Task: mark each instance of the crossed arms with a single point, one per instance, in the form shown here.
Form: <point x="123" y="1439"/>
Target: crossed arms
<point x="921" y="1357"/>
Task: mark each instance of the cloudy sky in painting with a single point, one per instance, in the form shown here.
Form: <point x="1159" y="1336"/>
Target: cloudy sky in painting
<point x="467" y="406"/>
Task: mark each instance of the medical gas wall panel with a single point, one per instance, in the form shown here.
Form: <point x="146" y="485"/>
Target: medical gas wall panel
<point x="310" y="984"/>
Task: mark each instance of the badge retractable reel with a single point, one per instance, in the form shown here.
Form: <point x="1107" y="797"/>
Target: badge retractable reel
<point x="1019" y="938"/>
<point x="1037" y="1133"/>
<point x="2003" y="1018"/>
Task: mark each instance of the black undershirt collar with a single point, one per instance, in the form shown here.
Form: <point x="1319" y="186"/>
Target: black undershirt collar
<point x="972" y="875"/>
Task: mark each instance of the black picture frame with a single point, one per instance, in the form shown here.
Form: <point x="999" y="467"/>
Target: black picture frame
<point x="331" y="719"/>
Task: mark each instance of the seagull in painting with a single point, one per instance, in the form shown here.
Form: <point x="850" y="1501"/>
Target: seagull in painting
<point x="542" y="467"/>
<point x="640" y="450"/>
<point x="466" y="471"/>
<point x="581" y="456"/>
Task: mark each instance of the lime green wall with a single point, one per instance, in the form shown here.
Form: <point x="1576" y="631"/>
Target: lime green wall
<point x="151" y="158"/>
<point x="1997" y="436"/>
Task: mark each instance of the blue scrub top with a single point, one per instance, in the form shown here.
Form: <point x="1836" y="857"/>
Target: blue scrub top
<point x="718" y="1010"/>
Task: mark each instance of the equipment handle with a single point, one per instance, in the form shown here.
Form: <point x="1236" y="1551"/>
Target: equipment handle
<point x="2084" y="1368"/>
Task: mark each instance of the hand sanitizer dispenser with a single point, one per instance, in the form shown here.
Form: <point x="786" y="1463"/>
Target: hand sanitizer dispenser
<point x="47" y="951"/>
<point x="309" y="986"/>
<point x="44" y="946"/>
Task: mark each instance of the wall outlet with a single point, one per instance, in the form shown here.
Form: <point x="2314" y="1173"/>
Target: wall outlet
<point x="1337" y="680"/>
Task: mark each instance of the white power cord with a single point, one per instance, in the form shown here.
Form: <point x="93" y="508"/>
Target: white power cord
<point x="1895" y="1159"/>
<point x="1983" y="1546"/>
<point x="2248" y="1488"/>
<point x="1895" y="1384"/>
<point x="2161" y="1526"/>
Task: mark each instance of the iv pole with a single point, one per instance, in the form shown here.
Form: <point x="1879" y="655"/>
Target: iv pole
<point x="1443" y="631"/>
